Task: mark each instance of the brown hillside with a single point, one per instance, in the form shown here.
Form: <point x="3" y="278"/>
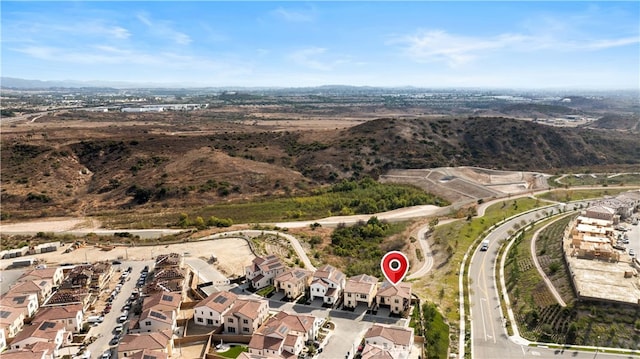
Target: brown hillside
<point x="186" y="163"/>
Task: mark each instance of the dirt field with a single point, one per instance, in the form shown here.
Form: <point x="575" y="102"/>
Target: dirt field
<point x="233" y="254"/>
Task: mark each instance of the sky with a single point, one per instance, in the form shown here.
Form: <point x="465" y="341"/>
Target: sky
<point x="590" y="45"/>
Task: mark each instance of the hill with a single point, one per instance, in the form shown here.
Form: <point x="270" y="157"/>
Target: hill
<point x="501" y="143"/>
<point x="614" y="121"/>
<point x="148" y="167"/>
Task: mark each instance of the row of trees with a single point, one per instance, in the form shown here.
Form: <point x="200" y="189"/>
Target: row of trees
<point x="185" y="222"/>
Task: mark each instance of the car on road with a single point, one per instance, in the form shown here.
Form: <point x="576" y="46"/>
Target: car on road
<point x="129" y="269"/>
<point x="123" y="318"/>
<point x="118" y="329"/>
<point x="115" y="340"/>
<point x="632" y="252"/>
<point x="106" y="355"/>
<point x="116" y="262"/>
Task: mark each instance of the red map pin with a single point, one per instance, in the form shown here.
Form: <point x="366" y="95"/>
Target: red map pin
<point x="395" y="266"/>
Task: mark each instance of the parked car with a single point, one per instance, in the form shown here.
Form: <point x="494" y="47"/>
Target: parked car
<point x="129" y="269"/>
<point x="116" y="262"/>
<point x="106" y="355"/>
<point x="632" y="252"/>
<point x="115" y="340"/>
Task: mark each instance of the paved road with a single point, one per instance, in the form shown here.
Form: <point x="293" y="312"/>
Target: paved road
<point x="104" y="331"/>
<point x="489" y="337"/>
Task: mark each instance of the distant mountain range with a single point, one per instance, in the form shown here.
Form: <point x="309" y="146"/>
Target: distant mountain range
<point x="17" y="83"/>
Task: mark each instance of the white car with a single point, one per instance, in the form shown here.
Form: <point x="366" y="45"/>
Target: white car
<point x="632" y="252"/>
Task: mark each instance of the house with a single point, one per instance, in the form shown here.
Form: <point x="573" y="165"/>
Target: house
<point x="238" y="314"/>
<point x="600" y="212"/>
<point x="149" y="354"/>
<point x="69" y="296"/>
<point x="327" y="283"/>
<point x="152" y="320"/>
<point x="41" y="287"/>
<point x="169" y="260"/>
<point x="11" y="320"/>
<point x="210" y="310"/>
<point x="163" y="301"/>
<point x="51" y="333"/>
<point x="263" y="270"/>
<point x="169" y="279"/>
<point x="132" y="344"/>
<point x="3" y="339"/>
<point x="71" y="316"/>
<point x="28" y="302"/>
<point x="79" y="277"/>
<point x="246" y="315"/>
<point x="360" y="289"/>
<point x="284" y="335"/>
<point x="34" y="351"/>
<point x="293" y="282"/>
<point x="388" y="341"/>
<point x="396" y="297"/>
<point x="54" y="273"/>
<point x="101" y="275"/>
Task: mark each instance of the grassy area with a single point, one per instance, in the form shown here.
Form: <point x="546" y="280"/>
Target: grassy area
<point x="449" y="243"/>
<point x="266" y="291"/>
<point x="430" y="324"/>
<point x="567" y="195"/>
<point x="453" y="239"/>
<point x="346" y="198"/>
<point x="233" y="352"/>
<point x="596" y="179"/>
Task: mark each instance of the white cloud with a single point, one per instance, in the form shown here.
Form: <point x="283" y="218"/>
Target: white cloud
<point x="309" y="58"/>
<point x="293" y="15"/>
<point x="164" y="29"/>
<point x="456" y="50"/>
<point x="120" y="33"/>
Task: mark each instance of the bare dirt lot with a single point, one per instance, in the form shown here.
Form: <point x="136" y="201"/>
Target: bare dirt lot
<point x="233" y="254"/>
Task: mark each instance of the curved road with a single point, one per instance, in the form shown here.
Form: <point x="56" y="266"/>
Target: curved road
<point x="489" y="338"/>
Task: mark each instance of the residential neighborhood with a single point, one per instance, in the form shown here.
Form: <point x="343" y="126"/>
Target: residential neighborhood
<point x="67" y="311"/>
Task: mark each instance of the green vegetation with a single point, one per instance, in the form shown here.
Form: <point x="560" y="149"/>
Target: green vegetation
<point x="345" y="198"/>
<point x="596" y="179"/>
<point x="454" y="238"/>
<point x="568" y="195"/>
<point x="266" y="291"/>
<point x="184" y="222"/>
<point x="233" y="352"/>
<point x="363" y="245"/>
<point x="430" y="324"/>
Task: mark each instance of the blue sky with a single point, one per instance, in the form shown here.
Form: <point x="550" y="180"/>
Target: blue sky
<point x="593" y="45"/>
